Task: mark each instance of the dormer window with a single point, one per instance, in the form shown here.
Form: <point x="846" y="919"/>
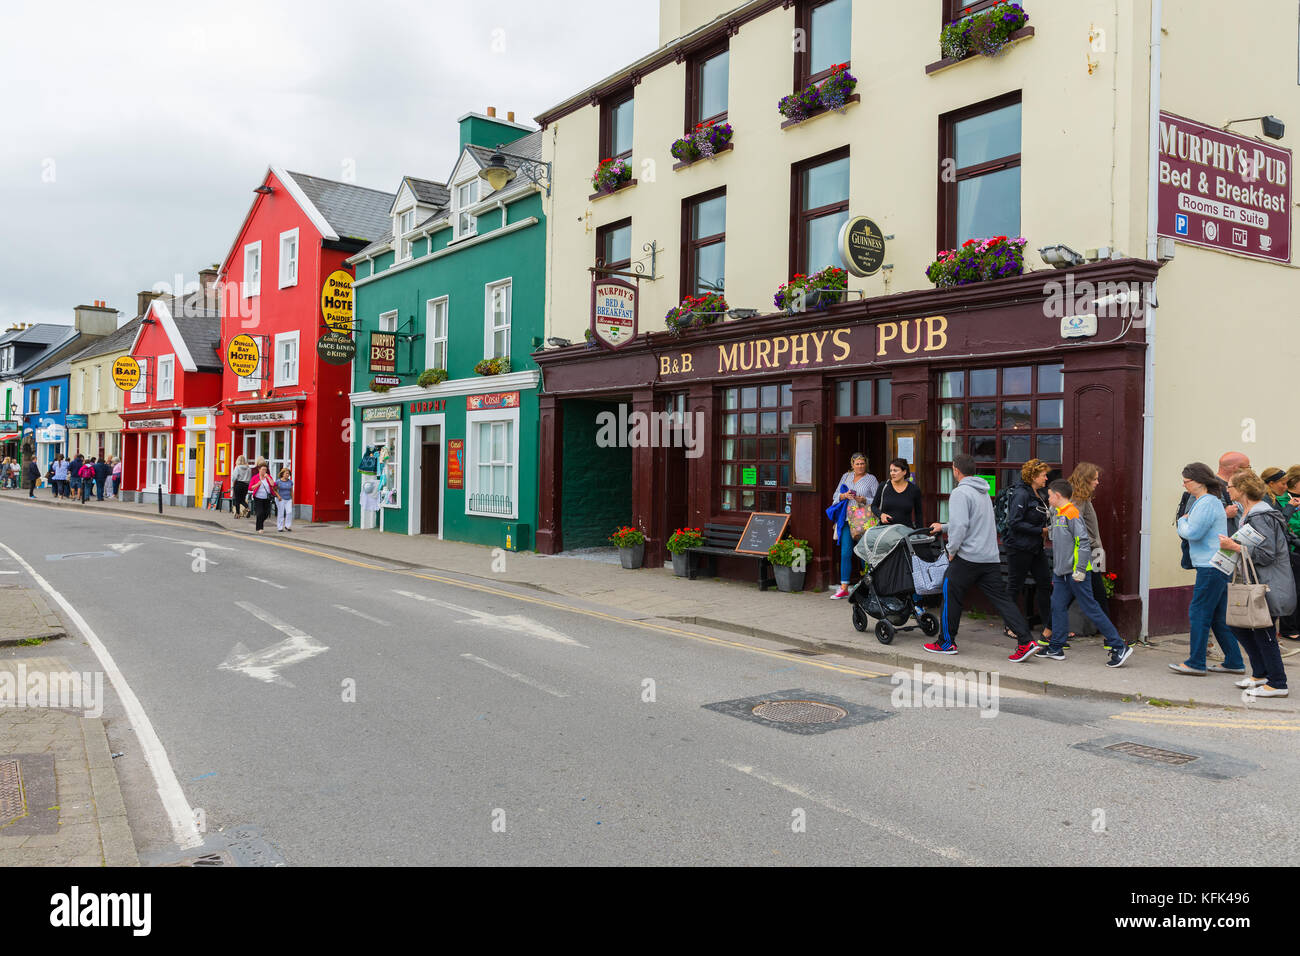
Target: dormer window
<point x="405" y="224"/>
<point x="466" y="195"/>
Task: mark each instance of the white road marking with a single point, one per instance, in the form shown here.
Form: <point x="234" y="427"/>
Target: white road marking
<point x="506" y="622"/>
<point x="365" y="617"/>
<point x="10" y="572"/>
<point x="282" y="587"/>
<point x="192" y="544"/>
<point x="516" y="675"/>
<point x="298" y="646"/>
<point x="124" y="548"/>
<point x="184" y="830"/>
<point x="947" y="852"/>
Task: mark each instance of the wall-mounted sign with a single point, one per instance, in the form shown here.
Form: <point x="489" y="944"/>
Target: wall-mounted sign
<point x="456" y="463"/>
<point x="223" y="462"/>
<point x="383" y="352"/>
<point x="8" y="425"/>
<point x="1224" y="191"/>
<point x="126" y="373"/>
<point x="613" y="312"/>
<point x="180" y="459"/>
<point x="243" y="355"/>
<point x="429" y="405"/>
<point x="336" y="301"/>
<point x="146" y="424"/>
<point x="382" y="413"/>
<point x="862" y="246"/>
<point x="50" y="434"/>
<point x="1078" y="326"/>
<point x="749" y="476"/>
<point x="257" y="418"/>
<point x="389" y="380"/>
<point x="75" y="421"/>
<point x="803" y="454"/>
<point x="474" y="403"/>
<point x="336" y="348"/>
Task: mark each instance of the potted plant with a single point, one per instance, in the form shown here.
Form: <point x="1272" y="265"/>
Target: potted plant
<point x="978" y="260"/>
<point x="836" y="89"/>
<point x="590" y="338"/>
<point x="800" y="105"/>
<point x="696" y="310"/>
<point x="631" y="546"/>
<point x="790" y="557"/>
<point x="610" y="174"/>
<point x="377" y="387"/>
<point x="681" y="541"/>
<point x="986" y="33"/>
<point x="493" y="366"/>
<point x="818" y="291"/>
<point x="702" y="142"/>
<point x="431" y="377"/>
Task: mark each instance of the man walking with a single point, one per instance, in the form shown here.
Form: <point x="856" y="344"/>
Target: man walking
<point x="102" y="470"/>
<point x="33" y="475"/>
<point x="974" y="560"/>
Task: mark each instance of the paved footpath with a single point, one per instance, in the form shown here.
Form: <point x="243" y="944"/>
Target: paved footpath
<point x="808" y="620"/>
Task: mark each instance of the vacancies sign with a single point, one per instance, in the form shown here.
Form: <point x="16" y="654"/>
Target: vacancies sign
<point x="1224" y="191"/>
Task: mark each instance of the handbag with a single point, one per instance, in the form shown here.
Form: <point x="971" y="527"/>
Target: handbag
<point x="1247" y="601"/>
<point x="859" y="518"/>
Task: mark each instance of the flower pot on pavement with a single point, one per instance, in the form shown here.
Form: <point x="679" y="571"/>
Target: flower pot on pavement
<point x="632" y="557"/>
<point x="787" y="579"/>
<point x="681" y="565"/>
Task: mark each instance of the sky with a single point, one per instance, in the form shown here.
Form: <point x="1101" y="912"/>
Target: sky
<point x="135" y="132"/>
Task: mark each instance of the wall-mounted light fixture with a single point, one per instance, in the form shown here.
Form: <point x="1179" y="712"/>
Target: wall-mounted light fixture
<point x="264" y="190"/>
<point x="1060" y="256"/>
<point x="496" y="173"/>
<point x="1274" y="128"/>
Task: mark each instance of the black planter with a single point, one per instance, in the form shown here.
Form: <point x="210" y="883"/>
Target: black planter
<point x="787" y="579"/>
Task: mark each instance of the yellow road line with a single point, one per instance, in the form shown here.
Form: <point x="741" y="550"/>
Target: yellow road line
<point x="486" y="589"/>
<point x="1248" y="724"/>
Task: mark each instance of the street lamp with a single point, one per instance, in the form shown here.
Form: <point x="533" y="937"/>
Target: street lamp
<point x="1274" y="128"/>
<point x="1060" y="256"/>
<point x="496" y="173"/>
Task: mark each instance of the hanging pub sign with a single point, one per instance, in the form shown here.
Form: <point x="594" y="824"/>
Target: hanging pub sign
<point x="336" y="302"/>
<point x="1224" y="191"/>
<point x="613" y="311"/>
<point x="336" y="348"/>
<point x="243" y="355"/>
<point x="862" y="246"/>
<point x="126" y="373"/>
<point x="383" y="352"/>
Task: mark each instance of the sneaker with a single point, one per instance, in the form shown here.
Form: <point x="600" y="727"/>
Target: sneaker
<point x="941" y="648"/>
<point x="1023" y="652"/>
<point x="840" y="594"/>
<point x="1264" y="690"/>
<point x="1221" y="669"/>
<point x="1050" y="654"/>
<point x="1247" y="682"/>
<point x="1117" y="657"/>
<point x="1047" y="642"/>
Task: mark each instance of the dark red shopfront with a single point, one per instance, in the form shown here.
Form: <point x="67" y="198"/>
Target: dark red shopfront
<point x="982" y="368"/>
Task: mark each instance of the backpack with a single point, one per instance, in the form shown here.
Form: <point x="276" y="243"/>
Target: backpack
<point x="86" y="471"/>
<point x="1002" y="510"/>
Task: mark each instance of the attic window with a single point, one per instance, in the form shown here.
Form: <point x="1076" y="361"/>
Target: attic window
<point x="466" y="196"/>
<point x="405" y="223"/>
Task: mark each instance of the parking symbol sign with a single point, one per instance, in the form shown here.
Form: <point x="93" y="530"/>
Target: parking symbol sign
<point x="1180" y="224"/>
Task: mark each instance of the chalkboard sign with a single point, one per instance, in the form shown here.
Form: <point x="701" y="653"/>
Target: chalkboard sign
<point x="214" y="499"/>
<point x="762" y="530"/>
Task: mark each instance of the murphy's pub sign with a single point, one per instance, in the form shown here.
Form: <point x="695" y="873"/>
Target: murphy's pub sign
<point x="613" y="312"/>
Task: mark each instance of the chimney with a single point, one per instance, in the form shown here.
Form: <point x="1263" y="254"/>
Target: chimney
<point x="510" y="117"/>
<point x="95" y="320"/>
<point x="142" y="300"/>
<point x="492" y="111"/>
<point x="208" y="284"/>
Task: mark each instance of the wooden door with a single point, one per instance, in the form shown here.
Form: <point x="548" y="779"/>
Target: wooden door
<point x="430" y="484"/>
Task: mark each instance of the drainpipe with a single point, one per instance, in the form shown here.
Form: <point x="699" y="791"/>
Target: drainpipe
<point x="502" y="206"/>
<point x="1149" y="362"/>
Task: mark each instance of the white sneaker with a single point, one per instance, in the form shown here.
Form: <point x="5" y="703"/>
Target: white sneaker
<point x="1251" y="682"/>
<point x="1264" y="690"/>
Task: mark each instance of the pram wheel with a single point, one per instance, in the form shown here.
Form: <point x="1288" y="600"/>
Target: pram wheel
<point x="929" y="624"/>
<point x="860" y="620"/>
<point x="885" y="632"/>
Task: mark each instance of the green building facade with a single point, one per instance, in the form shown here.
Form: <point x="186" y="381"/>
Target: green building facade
<point x="444" y="435"/>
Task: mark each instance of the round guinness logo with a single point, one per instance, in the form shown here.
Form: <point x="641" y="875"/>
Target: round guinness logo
<point x="862" y="246"/>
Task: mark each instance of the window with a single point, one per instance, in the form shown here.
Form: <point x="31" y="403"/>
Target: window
<point x="466" y="196"/>
<point x="253" y="269"/>
<point x="1002" y="417"/>
<point x="158" y="462"/>
<point x="492" y="453"/>
<point x="55" y="397"/>
<point x="271" y="444"/>
<point x="864" y="398"/>
<point x="6" y="360"/>
<point x="614" y="245"/>
<point x="388" y="321"/>
<point x="254" y="381"/>
<point x="141" y="391"/>
<point x="435" y="333"/>
<point x="616" y="126"/>
<point x="957" y="9"/>
<point x="112" y="398"/>
<point x="166" y="374"/>
<point x="497" y="340"/>
<point x="33" y="402"/>
<point x="405" y="223"/>
<point x="288" y="258"/>
<point x="756" y="447"/>
<point x="820" y="191"/>
<point x="94" y="400"/>
<point x="983" y="198"/>
<point x="827" y="29"/>
<point x="286" y="359"/>
<point x="704" y="243"/>
<point x="384" y="442"/>
<point x="706" y="87"/>
<point x="79" y="400"/>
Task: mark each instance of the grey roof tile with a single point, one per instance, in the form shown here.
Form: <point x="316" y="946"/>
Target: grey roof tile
<point x="202" y="335"/>
<point x="429" y="193"/>
<point x="354" y="212"/>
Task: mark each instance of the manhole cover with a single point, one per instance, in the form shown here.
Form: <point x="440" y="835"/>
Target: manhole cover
<point x="1172" y="757"/>
<point x="799" y="712"/>
<point x="12" y="804"/>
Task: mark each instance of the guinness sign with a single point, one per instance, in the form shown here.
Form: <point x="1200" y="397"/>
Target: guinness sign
<point x="862" y="246"/>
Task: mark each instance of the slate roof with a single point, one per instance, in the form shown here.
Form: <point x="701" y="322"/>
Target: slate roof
<point x="427" y="192"/>
<point x="57" y="370"/>
<point x="354" y="212"/>
<point x="202" y="335"/>
<point x="55" y="338"/>
<point x="119" y="341"/>
<point x="46" y="333"/>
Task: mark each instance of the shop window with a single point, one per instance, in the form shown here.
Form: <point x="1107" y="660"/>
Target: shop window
<point x="979" y="181"/>
<point x="820" y="198"/>
<point x="826" y="28"/>
<point x="755" y="457"/>
<point x="614" y="245"/>
<point x="272" y="445"/>
<point x="704" y="243"/>
<point x="435" y="354"/>
<point x="492" y="454"/>
<point x="616" y="126"/>
<point x="864" y="398"/>
<point x="158" y="463"/>
<point x="384" y="443"/>
<point x="1002" y="417"/>
<point x="707" y="87"/>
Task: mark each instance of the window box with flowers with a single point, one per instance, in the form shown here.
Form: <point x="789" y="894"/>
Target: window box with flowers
<point x="696" y="311"/>
<point x="833" y="93"/>
<point x="978" y="260"/>
<point x="611" y="176"/>
<point x="988" y="33"/>
<point x="431" y="377"/>
<point x="681" y="541"/>
<point x="703" y="142"/>
<point x="493" y="366"/>
<point x="376" y="386"/>
<point x="816" y="292"/>
<point x="631" y="546"/>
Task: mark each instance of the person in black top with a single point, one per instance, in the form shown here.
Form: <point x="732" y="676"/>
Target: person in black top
<point x="898" y="501"/>
<point x="1024" y="539"/>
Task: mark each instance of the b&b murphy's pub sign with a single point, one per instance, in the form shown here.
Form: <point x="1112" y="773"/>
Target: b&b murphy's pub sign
<point x="613" y="312"/>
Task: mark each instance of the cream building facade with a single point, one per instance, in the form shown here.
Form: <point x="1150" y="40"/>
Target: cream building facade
<point x="93" y="395"/>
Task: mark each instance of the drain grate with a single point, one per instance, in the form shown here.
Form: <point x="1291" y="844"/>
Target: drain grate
<point x="799" y="712"/>
<point x="1171" y="757"/>
<point x="12" y="803"/>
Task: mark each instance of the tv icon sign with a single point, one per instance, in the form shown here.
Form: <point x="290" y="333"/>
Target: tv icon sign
<point x="1180" y="224"/>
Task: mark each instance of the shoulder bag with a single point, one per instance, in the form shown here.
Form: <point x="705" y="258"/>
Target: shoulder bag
<point x="1247" y="601"/>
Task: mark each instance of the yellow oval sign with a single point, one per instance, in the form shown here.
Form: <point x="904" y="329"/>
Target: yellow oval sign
<point x="126" y="373"/>
<point x="243" y="355"/>
<point x="336" y="302"/>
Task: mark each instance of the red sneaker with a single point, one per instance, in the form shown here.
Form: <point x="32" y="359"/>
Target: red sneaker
<point x="941" y="648"/>
<point x="1023" y="652"/>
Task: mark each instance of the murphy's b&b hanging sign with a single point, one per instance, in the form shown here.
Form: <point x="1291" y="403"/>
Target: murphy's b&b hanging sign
<point x="613" y="312"/>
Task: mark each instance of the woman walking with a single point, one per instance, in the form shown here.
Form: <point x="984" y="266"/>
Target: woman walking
<point x="262" y="490"/>
<point x="1026" y="543"/>
<point x="856" y="488"/>
<point x="284" y="506"/>
<point x="898" y="501"/>
<point x="1202" y="526"/>
<point x="115" y="480"/>
<point x="239" y="491"/>
<point x="1084" y="480"/>
<point x="1272" y="564"/>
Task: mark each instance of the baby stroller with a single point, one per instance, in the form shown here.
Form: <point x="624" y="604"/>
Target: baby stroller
<point x="902" y="566"/>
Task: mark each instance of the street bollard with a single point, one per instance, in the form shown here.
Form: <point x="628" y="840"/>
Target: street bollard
<point x="160" y="499"/>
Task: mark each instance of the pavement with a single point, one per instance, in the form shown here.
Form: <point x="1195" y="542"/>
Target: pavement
<point x="807" y="620"/>
<point x="24" y="616"/>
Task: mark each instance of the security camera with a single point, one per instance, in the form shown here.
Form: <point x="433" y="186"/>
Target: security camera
<point x="1123" y="297"/>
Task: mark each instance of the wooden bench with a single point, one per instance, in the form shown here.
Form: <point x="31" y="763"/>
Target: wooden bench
<point x="721" y="540"/>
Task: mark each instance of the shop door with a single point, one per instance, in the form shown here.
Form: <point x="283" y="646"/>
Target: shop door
<point x="676" y="471"/>
<point x="200" y="450"/>
<point x="430" y="478"/>
<point x="865" y="437"/>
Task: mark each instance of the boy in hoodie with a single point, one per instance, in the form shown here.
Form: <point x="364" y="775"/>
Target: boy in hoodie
<point x="1071" y="565"/>
<point x="974" y="560"/>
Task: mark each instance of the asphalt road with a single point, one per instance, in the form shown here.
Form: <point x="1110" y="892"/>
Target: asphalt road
<point x="492" y="725"/>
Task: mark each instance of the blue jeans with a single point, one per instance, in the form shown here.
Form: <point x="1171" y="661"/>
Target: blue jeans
<point x="1209" y="610"/>
<point x="1066" y="590"/>
<point x="846" y="552"/>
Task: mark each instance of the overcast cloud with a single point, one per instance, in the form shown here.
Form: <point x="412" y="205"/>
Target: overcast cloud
<point x="135" y="132"/>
